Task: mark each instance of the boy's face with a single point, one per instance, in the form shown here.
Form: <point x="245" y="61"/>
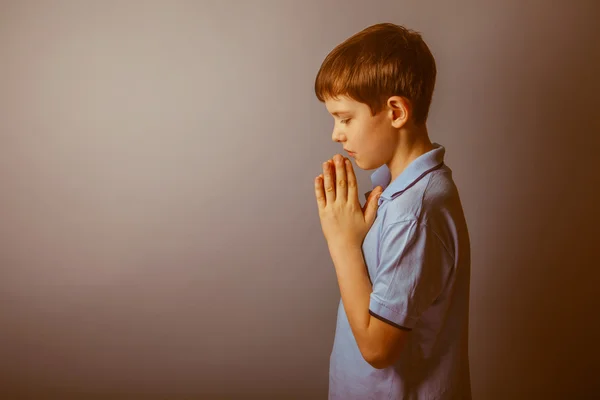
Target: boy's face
<point x="370" y="138"/>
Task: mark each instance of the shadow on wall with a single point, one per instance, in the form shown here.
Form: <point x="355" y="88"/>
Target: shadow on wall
<point x="541" y="253"/>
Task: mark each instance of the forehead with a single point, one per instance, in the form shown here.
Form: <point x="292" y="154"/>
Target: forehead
<point x="341" y="105"/>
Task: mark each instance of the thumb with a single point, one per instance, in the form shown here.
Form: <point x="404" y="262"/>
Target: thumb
<point x="372" y="205"/>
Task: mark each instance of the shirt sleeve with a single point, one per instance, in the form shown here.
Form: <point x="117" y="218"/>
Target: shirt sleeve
<point x="413" y="269"/>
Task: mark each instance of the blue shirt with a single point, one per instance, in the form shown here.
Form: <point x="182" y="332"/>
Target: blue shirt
<point x="417" y="254"/>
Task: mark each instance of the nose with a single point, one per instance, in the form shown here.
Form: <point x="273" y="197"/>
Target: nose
<point x="336" y="135"/>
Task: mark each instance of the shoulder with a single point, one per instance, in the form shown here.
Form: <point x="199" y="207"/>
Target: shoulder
<point x="440" y="196"/>
<point x="432" y="206"/>
<point x="427" y="199"/>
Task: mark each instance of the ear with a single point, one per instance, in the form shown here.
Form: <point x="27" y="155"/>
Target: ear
<point x="399" y="110"/>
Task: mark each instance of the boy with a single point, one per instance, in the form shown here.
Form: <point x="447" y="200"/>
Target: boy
<point x="403" y="261"/>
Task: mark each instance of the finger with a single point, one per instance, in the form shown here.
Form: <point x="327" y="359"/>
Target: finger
<point x="333" y="174"/>
<point x="341" y="188"/>
<point x="352" y="183"/>
<point x="329" y="184"/>
<point x="320" y="192"/>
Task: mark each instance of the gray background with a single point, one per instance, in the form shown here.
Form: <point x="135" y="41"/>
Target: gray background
<point x="159" y="236"/>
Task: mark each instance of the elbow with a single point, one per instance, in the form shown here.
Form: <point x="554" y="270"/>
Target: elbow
<point x="377" y="360"/>
<point x="384" y="358"/>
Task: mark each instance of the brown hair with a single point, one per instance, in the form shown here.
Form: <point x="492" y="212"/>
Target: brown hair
<point x="376" y="63"/>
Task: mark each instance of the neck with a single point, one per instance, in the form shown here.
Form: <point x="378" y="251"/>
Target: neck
<point x="413" y="142"/>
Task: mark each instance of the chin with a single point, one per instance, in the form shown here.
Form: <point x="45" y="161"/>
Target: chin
<point x="364" y="166"/>
<point x="367" y="166"/>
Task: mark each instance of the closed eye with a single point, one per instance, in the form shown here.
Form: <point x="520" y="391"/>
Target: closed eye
<point x="345" y="121"/>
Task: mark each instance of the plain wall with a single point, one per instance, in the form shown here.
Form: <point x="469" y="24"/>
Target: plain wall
<point x="159" y="235"/>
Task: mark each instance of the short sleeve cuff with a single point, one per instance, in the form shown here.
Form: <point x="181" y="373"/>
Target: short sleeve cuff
<point x="383" y="312"/>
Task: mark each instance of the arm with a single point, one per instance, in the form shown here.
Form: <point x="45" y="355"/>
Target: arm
<point x="379" y="342"/>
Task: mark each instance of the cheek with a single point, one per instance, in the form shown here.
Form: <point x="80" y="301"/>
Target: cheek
<point x="367" y="137"/>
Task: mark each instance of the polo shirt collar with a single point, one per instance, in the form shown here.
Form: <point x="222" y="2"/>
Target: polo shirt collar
<point x="416" y="170"/>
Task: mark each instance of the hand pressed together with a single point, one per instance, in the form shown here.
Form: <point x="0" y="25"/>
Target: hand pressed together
<point x="343" y="221"/>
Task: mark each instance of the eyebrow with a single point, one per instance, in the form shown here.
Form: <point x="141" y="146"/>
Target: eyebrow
<point x="339" y="113"/>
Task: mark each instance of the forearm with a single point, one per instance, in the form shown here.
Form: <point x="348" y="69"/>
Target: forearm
<point x="355" y="289"/>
